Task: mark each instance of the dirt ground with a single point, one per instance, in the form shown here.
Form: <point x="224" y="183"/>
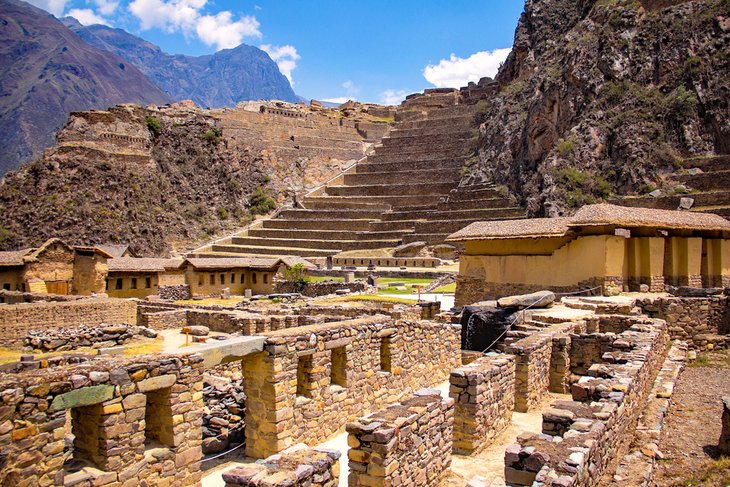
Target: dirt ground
<point x="692" y="427"/>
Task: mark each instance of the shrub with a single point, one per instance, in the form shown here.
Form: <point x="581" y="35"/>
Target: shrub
<point x="222" y="213"/>
<point x="297" y="276"/>
<point x="565" y="147"/>
<point x="213" y="135"/>
<point x="260" y="202"/>
<point x="681" y="104"/>
<point x="153" y="125"/>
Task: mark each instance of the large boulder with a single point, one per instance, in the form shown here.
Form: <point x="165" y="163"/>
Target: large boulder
<point x="482" y="324"/>
<point x="197" y="330"/>
<point x="412" y="249"/>
<point x="540" y="299"/>
<point x="694" y="292"/>
<point x="444" y="251"/>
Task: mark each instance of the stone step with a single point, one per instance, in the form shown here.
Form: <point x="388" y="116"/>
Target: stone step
<point x="708" y="181"/>
<point x="384" y="226"/>
<point x="440" y="141"/>
<point x="418" y="153"/>
<point x="396" y="177"/>
<point x="723" y="211"/>
<point x="320" y="234"/>
<point x="246" y="250"/>
<point x="708" y="164"/>
<point x="475" y="194"/>
<point x="671" y="202"/>
<point x="343" y="225"/>
<point x="458" y="215"/>
<point x="343" y="203"/>
<point x="353" y="201"/>
<point x="421" y="189"/>
<point x="319" y="244"/>
<point x="464" y="120"/>
<point x="429" y="238"/>
<point x="368" y="167"/>
<point x="433" y="129"/>
<point x="333" y="214"/>
<point x="451" y="226"/>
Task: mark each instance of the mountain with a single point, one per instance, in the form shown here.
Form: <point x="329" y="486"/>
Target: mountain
<point x="219" y="80"/>
<point x="47" y="71"/>
<point x="601" y="98"/>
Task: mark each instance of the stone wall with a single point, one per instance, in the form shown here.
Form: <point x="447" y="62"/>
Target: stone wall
<point x="298" y="466"/>
<point x="19" y="319"/>
<point x="15" y="297"/>
<point x="484" y="394"/>
<point x="309" y="381"/>
<point x="63" y="339"/>
<point x="116" y="422"/>
<point x="406" y="444"/>
<point x="596" y="427"/>
<point x="174" y="292"/>
<point x="313" y="289"/>
<point x="699" y="321"/>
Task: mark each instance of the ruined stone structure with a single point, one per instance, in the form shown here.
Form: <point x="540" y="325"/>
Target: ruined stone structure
<point x="609" y="246"/>
<point x="407" y="190"/>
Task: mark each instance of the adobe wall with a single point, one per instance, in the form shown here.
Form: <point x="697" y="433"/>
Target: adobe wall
<point x="16" y="320"/>
<point x="484" y="396"/>
<point x="310" y="381"/>
<point x="104" y="422"/>
<point x="203" y="283"/>
<point x="406" y="444"/>
<point x="699" y="321"/>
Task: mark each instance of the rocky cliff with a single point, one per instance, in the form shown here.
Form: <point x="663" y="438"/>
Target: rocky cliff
<point x="602" y="97"/>
<point x="46" y="71"/>
<point x="219" y="80"/>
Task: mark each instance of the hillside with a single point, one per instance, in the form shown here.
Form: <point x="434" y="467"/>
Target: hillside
<point x="219" y="80"/>
<point x="46" y="71"/>
<point x="602" y="97"/>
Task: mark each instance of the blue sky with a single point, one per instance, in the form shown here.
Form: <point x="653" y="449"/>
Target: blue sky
<point x="373" y="51"/>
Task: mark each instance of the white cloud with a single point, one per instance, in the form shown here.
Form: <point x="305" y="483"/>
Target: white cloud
<point x="86" y="16"/>
<point x="56" y="7"/>
<point x="285" y="57"/>
<point x="392" y="97"/>
<point x="351" y="89"/>
<point x="220" y="29"/>
<point x="456" y="72"/>
<point x="339" y="100"/>
<point x="106" y="7"/>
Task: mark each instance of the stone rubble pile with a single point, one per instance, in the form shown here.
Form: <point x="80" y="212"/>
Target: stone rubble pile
<point x="98" y="336"/>
<point x="223" y="415"/>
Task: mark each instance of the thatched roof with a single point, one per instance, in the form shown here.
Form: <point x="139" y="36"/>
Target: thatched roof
<point x="630" y="217"/>
<point x="115" y="250"/>
<point x="592" y="216"/>
<point x="133" y="264"/>
<point x="528" y="228"/>
<point x="13" y="257"/>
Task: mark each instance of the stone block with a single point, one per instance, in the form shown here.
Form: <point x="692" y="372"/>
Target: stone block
<point x="86" y="396"/>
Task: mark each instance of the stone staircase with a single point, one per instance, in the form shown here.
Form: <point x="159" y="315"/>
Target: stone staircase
<point x="708" y="182"/>
<point x="406" y="190"/>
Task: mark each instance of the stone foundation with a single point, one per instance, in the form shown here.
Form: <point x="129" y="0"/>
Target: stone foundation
<point x="20" y="319"/>
<point x="313" y="289"/>
<point x="484" y="395"/>
<point x="407" y="444"/>
<point x="116" y="422"/>
<point x="175" y="292"/>
<point x="309" y="381"/>
<point x="297" y="466"/>
<point x="63" y="339"/>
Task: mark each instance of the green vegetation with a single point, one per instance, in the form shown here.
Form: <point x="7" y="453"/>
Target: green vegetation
<point x="325" y="278"/>
<point x="260" y="202"/>
<point x="409" y="282"/>
<point x="222" y="213"/>
<point x="213" y="135"/>
<point x="681" y="104"/>
<point x="153" y="125"/>
<point x="581" y="188"/>
<point x="565" y="147"/>
<point x="297" y="275"/>
<point x="372" y="298"/>
<point x="448" y="288"/>
<point x="712" y="472"/>
<point x="5" y="234"/>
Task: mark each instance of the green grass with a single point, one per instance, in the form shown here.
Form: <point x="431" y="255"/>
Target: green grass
<point x="372" y="298"/>
<point x="408" y="281"/>
<point x="449" y="288"/>
<point x="713" y="472"/>
<point x="325" y="278"/>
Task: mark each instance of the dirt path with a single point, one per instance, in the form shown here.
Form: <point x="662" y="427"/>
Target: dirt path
<point x="692" y="427"/>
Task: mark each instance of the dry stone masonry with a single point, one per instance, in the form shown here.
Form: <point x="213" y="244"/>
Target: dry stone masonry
<point x="407" y="444"/>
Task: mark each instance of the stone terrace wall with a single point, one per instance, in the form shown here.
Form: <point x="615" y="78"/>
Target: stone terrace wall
<point x="484" y="392"/>
<point x="298" y="466"/>
<point x="699" y="321"/>
<point x="597" y="426"/>
<point x="310" y="381"/>
<point x="129" y="421"/>
<point x="15" y="297"/>
<point x="16" y="320"/>
<point x="407" y="444"/>
<point x="314" y="289"/>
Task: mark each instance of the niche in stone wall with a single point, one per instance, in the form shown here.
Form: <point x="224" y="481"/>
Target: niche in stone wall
<point x="338" y="372"/>
<point x="158" y="430"/>
<point x="304" y="376"/>
<point x="86" y="431"/>
<point x="386" y="354"/>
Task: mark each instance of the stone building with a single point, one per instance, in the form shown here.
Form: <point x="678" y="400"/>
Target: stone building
<point x="140" y="277"/>
<point x="54" y="267"/>
<point x="618" y="248"/>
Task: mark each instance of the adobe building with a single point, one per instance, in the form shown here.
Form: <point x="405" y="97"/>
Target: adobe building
<point x="55" y="267"/>
<point x="611" y="247"/>
<point x="131" y="277"/>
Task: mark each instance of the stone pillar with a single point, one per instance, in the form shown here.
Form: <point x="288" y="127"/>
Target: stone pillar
<point x="646" y="263"/>
<point x="724" y="444"/>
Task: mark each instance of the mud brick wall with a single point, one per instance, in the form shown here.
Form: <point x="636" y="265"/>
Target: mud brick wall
<point x="310" y="381"/>
<point x="298" y="466"/>
<point x="597" y="426"/>
<point x="16" y="320"/>
<point x="407" y="444"/>
<point x="111" y="421"/>
<point x="699" y="321"/>
<point x="484" y="395"/>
